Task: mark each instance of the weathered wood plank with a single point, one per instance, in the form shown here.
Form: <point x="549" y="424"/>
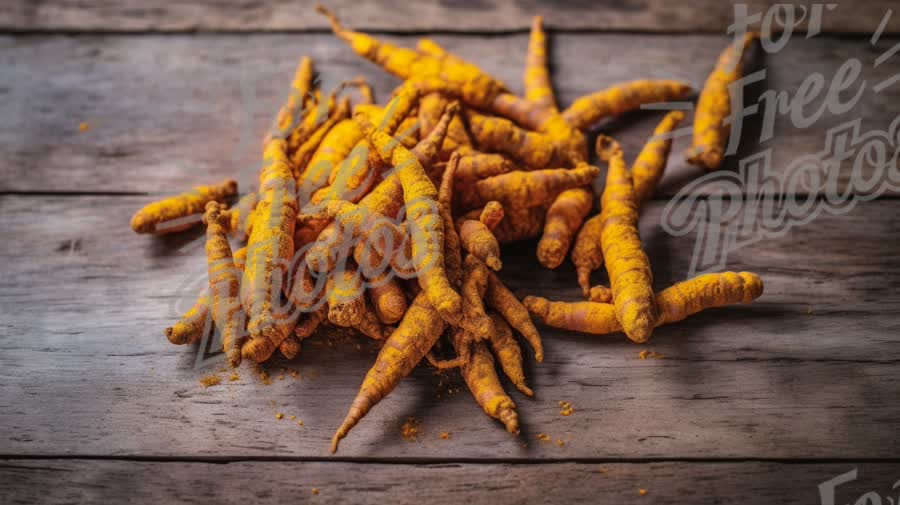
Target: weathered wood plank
<point x="807" y="371"/>
<point x="83" y="481"/>
<point x="170" y="112"/>
<point x="394" y="16"/>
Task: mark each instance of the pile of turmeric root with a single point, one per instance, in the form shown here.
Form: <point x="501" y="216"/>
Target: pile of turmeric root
<point x="389" y="219"/>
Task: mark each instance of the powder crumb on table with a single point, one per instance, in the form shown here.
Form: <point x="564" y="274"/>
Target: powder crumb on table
<point x="642" y="492"/>
<point x="315" y="490"/>
<point x="543" y="437"/>
<point x="411" y="428"/>
<point x="234" y="376"/>
<point x="279" y="415"/>
<point x="560" y="442"/>
<point x="444" y="435"/>
<point x="83" y="127"/>
<point x="210" y="380"/>
<point x="567" y="408"/>
<point x="292" y="417"/>
<point x="299" y="423"/>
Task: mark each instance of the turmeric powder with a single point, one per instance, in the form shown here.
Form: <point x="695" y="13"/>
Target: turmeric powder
<point x="174" y="214"/>
<point x="224" y="286"/>
<point x="714" y="105"/>
<point x="564" y="219"/>
<point x="673" y="303"/>
<point x="630" y="277"/>
<point x="621" y="98"/>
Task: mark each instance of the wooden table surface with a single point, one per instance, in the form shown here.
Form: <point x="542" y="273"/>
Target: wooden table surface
<point x="758" y="403"/>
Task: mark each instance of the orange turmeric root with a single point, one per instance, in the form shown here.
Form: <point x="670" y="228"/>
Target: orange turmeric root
<point x="650" y="164"/>
<point x="527" y="189"/>
<point x="189" y="328"/>
<point x="419" y="329"/>
<point x="299" y="101"/>
<point x="714" y="105"/>
<point x="508" y="353"/>
<point x="426" y="230"/>
<point x="181" y="212"/>
<point x="238" y="219"/>
<point x="537" y="74"/>
<point x="564" y="219"/>
<point x="388" y="300"/>
<point x="271" y="244"/>
<point x="501" y="299"/>
<point x="621" y="98"/>
<point x="630" y="277"/>
<point x="478" y="239"/>
<point x="481" y="377"/>
<point x="674" y="303"/>
<point x="491" y="214"/>
<point x="344" y="291"/>
<point x="475" y="320"/>
<point x="224" y="285"/>
<point x="600" y="294"/>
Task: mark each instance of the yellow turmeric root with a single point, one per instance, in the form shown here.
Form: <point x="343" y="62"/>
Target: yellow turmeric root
<point x="475" y="320"/>
<point x="621" y="98"/>
<point x="189" y="328"/>
<point x="673" y="303"/>
<point x="299" y="101"/>
<point x="527" y="189"/>
<point x="508" y="353"/>
<point x="224" y="285"/>
<point x="587" y="253"/>
<point x="630" y="277"/>
<point x="403" y="350"/>
<point x="388" y="300"/>
<point x="537" y="74"/>
<point x="650" y="164"/>
<point x="238" y="219"/>
<point x="501" y="299"/>
<point x="491" y="214"/>
<point x="481" y="377"/>
<point x="714" y="105"/>
<point x="181" y="212"/>
<point x="495" y="134"/>
<point x="478" y="239"/>
<point x="564" y="219"/>
<point x="301" y="157"/>
<point x="423" y="213"/>
<point x="344" y="291"/>
<point x="271" y="244"/>
<point x="600" y="294"/>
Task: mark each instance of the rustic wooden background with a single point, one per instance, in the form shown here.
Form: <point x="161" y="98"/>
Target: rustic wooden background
<point x="750" y="404"/>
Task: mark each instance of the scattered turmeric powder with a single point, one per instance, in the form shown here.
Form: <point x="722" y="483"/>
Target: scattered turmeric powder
<point x="567" y="408"/>
<point x="410" y="429"/>
<point x="83" y="127"/>
<point x="210" y="380"/>
<point x="174" y="214"/>
<point x="444" y="435"/>
<point x="543" y="437"/>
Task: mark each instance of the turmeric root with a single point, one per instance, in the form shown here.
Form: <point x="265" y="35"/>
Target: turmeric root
<point x="369" y="325"/>
<point x="477" y="238"/>
<point x="481" y="377"/>
<point x="271" y="243"/>
<point x="491" y="214"/>
<point x="306" y="326"/>
<point x="388" y="300"/>
<point x="497" y="134"/>
<point x="537" y="74"/>
<point x="587" y="253"/>
<point x="189" y="328"/>
<point x="452" y="243"/>
<point x="427" y="230"/>
<point x="298" y="101"/>
<point x="648" y="168"/>
<point x="527" y="189"/>
<point x="304" y="152"/>
<point x="501" y="299"/>
<point x="261" y="349"/>
<point x="224" y="286"/>
<point x="238" y="219"/>
<point x="419" y="329"/>
<point x="290" y="347"/>
<point x="174" y="214"/>
<point x="621" y="98"/>
<point x="520" y="223"/>
<point x="331" y="152"/>
<point x="508" y="353"/>
<point x="674" y="303"/>
<point x="714" y="105"/>
<point x="630" y="277"/>
<point x="600" y="294"/>
<point x="475" y="320"/>
<point x="564" y="219"/>
<point x="344" y="291"/>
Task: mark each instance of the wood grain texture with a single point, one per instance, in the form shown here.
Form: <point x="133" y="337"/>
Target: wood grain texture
<point x="394" y="16"/>
<point x="88" y="481"/>
<point x="170" y="112"/>
<point x="807" y="371"/>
